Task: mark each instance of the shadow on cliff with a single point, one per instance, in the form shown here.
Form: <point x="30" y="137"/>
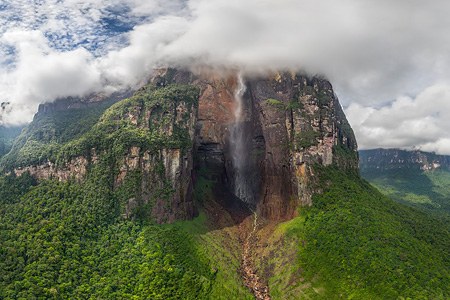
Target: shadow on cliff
<point x="222" y="208"/>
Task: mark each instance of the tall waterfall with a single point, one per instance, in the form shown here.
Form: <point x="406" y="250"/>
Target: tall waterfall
<point x="239" y="147"/>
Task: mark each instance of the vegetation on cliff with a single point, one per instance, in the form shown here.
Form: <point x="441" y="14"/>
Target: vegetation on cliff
<point x="59" y="136"/>
<point x="48" y="131"/>
<point x="71" y="240"/>
<point x="98" y="238"/>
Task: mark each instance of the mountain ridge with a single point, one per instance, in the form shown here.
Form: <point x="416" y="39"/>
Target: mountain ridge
<point x="417" y="178"/>
<point x="391" y="158"/>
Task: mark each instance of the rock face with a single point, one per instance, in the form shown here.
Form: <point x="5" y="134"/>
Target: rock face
<point x="167" y="172"/>
<point x="388" y="159"/>
<point x="153" y="136"/>
<point x="302" y="124"/>
<point x="289" y="122"/>
<point x="75" y="169"/>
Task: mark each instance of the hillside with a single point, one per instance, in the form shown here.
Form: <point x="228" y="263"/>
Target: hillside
<point x="356" y="243"/>
<point x="205" y="186"/>
<point x="415" y="178"/>
<point x="53" y="125"/>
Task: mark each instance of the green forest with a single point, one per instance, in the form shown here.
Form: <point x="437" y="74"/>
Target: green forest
<point x="68" y="240"/>
<point x="7" y="137"/>
<point x="358" y="244"/>
<point x="425" y="190"/>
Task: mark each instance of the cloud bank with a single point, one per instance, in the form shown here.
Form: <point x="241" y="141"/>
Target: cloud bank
<point x="383" y="57"/>
<point x="421" y="122"/>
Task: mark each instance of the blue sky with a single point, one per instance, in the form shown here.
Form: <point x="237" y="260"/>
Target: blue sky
<point x="389" y="61"/>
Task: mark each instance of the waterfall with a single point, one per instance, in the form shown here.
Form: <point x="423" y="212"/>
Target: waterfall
<point x="239" y="147"/>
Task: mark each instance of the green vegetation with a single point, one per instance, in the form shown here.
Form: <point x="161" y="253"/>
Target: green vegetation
<point x="294" y="104"/>
<point x="306" y="139"/>
<point x="345" y="153"/>
<point x="323" y="99"/>
<point x="429" y="191"/>
<point x="276" y="103"/>
<point x="42" y="138"/>
<point x="356" y="243"/>
<point x="70" y="240"/>
<point x="61" y="136"/>
<point x="7" y="137"/>
<point x="66" y="240"/>
<point x="220" y="246"/>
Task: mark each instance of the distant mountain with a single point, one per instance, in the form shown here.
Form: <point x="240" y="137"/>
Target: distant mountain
<point x="387" y="159"/>
<point x="416" y="178"/>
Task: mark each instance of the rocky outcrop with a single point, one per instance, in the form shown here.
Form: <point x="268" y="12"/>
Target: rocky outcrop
<point x="69" y="103"/>
<point x="166" y="183"/>
<point x="161" y="127"/>
<point x="76" y="169"/>
<point x="290" y="121"/>
<point x="302" y="125"/>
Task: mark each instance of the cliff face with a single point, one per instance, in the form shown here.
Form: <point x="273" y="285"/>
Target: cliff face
<point x="388" y="159"/>
<point x="165" y="183"/>
<point x="416" y="178"/>
<point x="302" y="125"/>
<point x="290" y="122"/>
<point x="257" y="138"/>
<point x="144" y="143"/>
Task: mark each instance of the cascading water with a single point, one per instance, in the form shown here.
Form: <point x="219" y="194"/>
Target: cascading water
<point x="243" y="188"/>
<point x="239" y="147"/>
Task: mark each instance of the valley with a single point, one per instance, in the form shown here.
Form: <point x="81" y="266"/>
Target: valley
<point x="415" y="178"/>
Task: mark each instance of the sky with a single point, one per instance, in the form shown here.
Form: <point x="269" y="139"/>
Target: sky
<point x="388" y="61"/>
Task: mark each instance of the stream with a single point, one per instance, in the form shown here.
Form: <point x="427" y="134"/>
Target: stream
<point x="251" y="280"/>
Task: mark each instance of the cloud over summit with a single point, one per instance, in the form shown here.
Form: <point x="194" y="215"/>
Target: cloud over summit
<point x="376" y="53"/>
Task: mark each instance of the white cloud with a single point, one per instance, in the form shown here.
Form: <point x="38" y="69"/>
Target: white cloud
<point x="133" y="63"/>
<point x="42" y="74"/>
<point x="420" y="122"/>
<point x="377" y="54"/>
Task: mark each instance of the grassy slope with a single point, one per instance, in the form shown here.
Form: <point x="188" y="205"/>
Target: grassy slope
<point x="356" y="243"/>
<point x="222" y="248"/>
